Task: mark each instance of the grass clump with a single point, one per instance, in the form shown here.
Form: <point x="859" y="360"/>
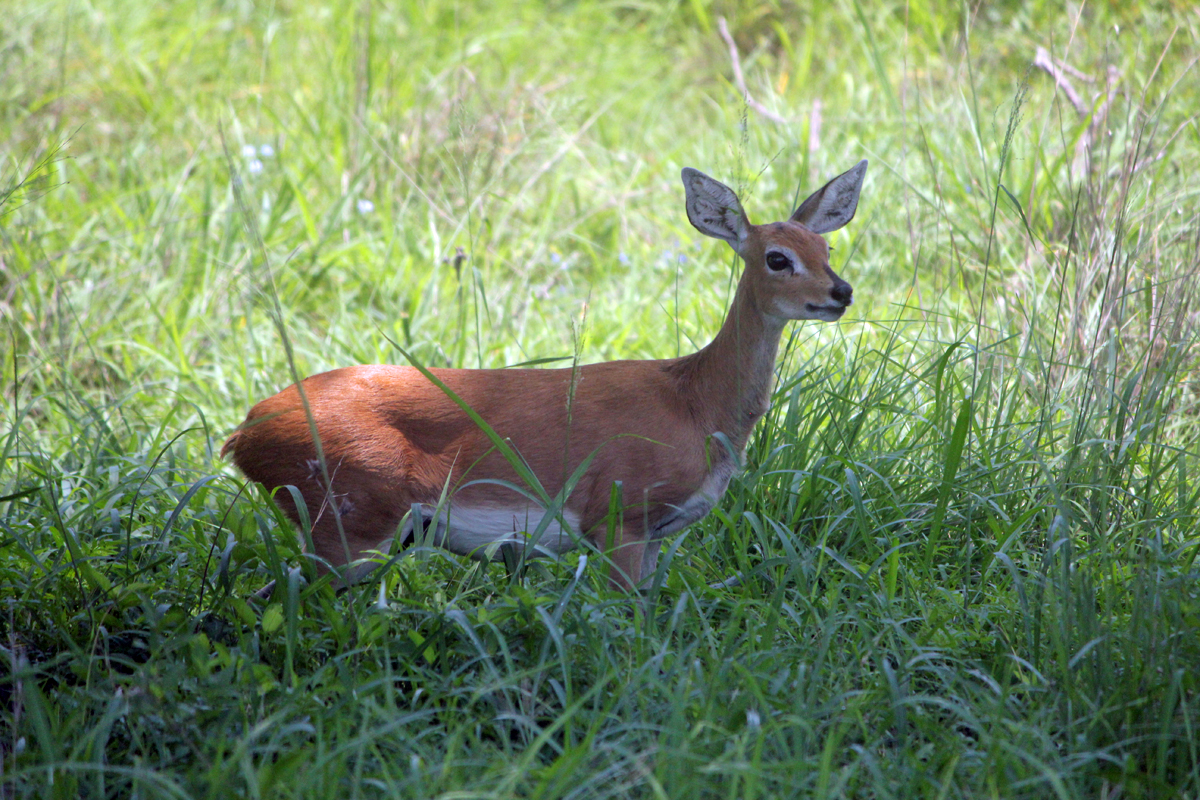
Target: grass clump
<point x="965" y="534"/>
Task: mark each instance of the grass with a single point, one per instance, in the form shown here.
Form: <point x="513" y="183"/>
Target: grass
<point x="966" y="532"/>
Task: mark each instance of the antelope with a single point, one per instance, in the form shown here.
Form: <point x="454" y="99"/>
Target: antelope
<point x="398" y="449"/>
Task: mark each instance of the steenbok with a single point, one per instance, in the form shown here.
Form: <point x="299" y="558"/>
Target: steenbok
<point x="397" y="441"/>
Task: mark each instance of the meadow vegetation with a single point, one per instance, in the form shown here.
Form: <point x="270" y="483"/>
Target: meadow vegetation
<point x="964" y="542"/>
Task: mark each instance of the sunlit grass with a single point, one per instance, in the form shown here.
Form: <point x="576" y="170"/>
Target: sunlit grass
<point x="964" y="543"/>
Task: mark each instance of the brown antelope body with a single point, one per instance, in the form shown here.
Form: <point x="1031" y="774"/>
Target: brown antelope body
<point x="394" y="441"/>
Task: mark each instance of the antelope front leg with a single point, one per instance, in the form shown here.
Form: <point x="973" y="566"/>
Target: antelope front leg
<point x="633" y="562"/>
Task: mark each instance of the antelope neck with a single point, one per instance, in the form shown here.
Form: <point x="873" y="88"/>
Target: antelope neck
<point x="728" y="383"/>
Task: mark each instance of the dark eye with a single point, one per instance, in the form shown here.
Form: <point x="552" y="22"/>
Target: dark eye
<point x="777" y="262"/>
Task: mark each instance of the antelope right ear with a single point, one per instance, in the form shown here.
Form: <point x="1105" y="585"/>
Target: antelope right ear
<point x="714" y="210"/>
<point x="834" y="204"/>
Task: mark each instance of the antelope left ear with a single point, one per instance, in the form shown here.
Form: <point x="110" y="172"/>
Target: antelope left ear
<point x="834" y="204"/>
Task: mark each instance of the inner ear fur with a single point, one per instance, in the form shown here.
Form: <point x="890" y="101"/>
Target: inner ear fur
<point x="714" y="209"/>
<point x="834" y="204"/>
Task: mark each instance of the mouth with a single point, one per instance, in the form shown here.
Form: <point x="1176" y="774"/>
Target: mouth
<point x="827" y="313"/>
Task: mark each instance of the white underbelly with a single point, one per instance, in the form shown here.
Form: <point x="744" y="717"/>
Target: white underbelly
<point x="472" y="530"/>
<point x="475" y="530"/>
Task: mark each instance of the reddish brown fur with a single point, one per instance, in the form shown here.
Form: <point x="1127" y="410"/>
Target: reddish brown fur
<point x="392" y="439"/>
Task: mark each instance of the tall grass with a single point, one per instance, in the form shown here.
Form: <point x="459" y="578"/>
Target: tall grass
<point x="961" y="559"/>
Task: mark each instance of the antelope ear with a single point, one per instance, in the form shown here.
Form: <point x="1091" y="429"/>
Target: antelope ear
<point x="714" y="210"/>
<point x="834" y="204"/>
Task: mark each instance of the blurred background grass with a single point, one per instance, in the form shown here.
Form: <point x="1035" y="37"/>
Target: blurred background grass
<point x="967" y="530"/>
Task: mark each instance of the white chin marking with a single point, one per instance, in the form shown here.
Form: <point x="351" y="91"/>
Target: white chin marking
<point x="470" y="530"/>
<point x="824" y="313"/>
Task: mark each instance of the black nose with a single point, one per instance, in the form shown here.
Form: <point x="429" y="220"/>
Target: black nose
<point x="842" y="292"/>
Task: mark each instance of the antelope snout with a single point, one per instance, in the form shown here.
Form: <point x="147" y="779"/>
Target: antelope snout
<point x="842" y="292"/>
